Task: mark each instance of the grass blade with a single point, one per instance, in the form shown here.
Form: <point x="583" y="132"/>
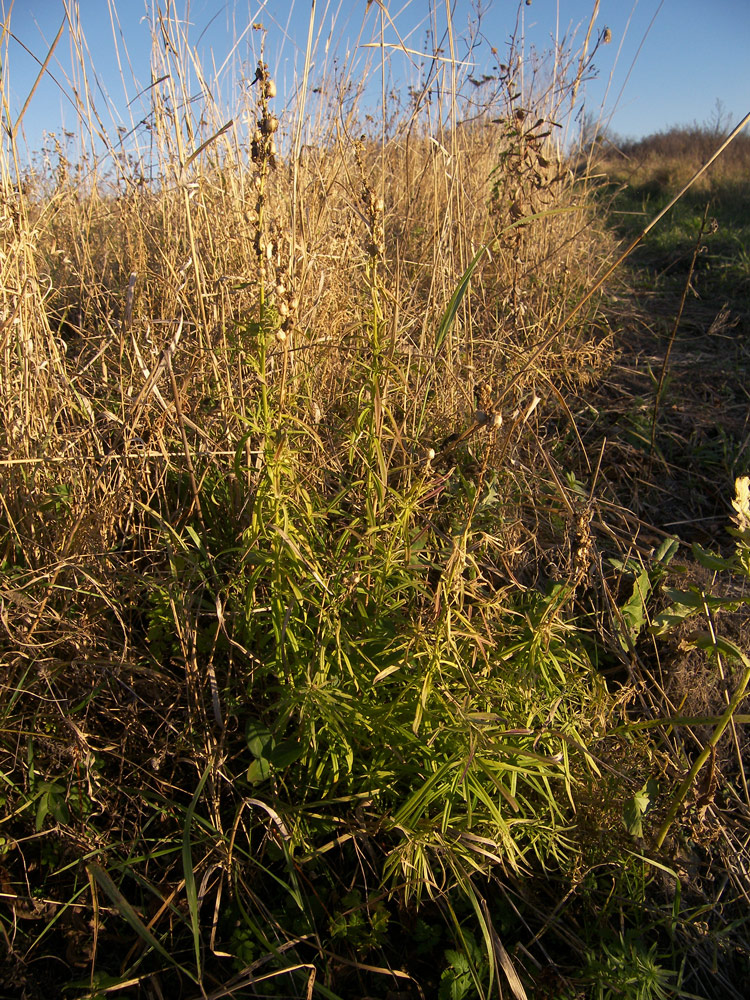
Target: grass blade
<point x="187" y="863"/>
<point x="128" y="913"/>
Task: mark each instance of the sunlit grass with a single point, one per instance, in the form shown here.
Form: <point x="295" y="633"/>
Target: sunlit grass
<point x="307" y="613"/>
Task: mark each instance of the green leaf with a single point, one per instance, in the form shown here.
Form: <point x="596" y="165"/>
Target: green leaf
<point x="684" y="598"/>
<point x="187" y="864"/>
<point x="704" y="640"/>
<point x="634" y="609"/>
<point x="259" y="771"/>
<point x="286" y="753"/>
<point x="456" y="982"/>
<point x="667" y="620"/>
<point x="709" y="560"/>
<point x="52" y="802"/>
<point x="128" y="913"/>
<point x="455" y="300"/>
<point x="697" y="600"/>
<point x="636" y="808"/>
<point x="667" y="551"/>
<point x="259" y="739"/>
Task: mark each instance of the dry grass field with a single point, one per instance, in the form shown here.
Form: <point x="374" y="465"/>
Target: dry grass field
<point x="370" y="621"/>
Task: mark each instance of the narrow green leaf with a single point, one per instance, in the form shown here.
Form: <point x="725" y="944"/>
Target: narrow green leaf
<point x="127" y="912"/>
<point x="187" y="863"/>
<point x="455" y="300"/>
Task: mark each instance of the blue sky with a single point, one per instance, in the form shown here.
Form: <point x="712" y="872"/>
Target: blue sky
<point x="669" y="61"/>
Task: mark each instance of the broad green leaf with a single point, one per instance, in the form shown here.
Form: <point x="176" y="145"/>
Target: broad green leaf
<point x="52" y="802"/>
<point x="259" y="771"/>
<point x="286" y="753"/>
<point x="684" y="598"/>
<point x="709" y="560"/>
<point x="636" y="808"/>
<point x="704" y="640"/>
<point x="259" y="739"/>
<point x="634" y="609"/>
<point x="665" y="621"/>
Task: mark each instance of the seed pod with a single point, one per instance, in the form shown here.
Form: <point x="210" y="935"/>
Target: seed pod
<point x="270" y="88"/>
<point x="271" y="124"/>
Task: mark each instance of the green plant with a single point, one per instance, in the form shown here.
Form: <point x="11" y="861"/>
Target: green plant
<point x="466" y="969"/>
<point x="626" y="967"/>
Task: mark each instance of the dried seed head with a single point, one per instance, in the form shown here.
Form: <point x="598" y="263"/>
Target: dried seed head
<point x="607" y="36"/>
<point x="281" y="336"/>
<point x="430" y="454"/>
<point x="283" y="309"/>
<point x="294" y="304"/>
<point x="741" y="504"/>
<point x="270" y="88"/>
<point x="280" y="289"/>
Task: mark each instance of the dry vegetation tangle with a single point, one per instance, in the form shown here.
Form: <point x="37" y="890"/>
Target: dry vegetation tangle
<point x="320" y="596"/>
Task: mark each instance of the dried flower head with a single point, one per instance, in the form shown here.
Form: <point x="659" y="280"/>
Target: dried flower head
<point x="269" y="124"/>
<point x="741" y="504"/>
